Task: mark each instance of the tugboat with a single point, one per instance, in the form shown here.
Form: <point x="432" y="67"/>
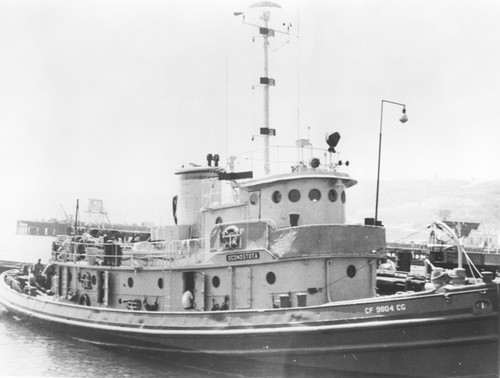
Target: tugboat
<point x="267" y="269"/>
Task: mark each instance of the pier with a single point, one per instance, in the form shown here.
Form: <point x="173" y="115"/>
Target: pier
<point x="443" y="255"/>
<point x="43" y="228"/>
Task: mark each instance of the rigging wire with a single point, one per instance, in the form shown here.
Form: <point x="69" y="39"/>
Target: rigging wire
<point x="412" y="234"/>
<point x="298" y="70"/>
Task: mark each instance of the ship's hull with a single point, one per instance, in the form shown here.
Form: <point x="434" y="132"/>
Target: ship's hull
<point x="425" y="334"/>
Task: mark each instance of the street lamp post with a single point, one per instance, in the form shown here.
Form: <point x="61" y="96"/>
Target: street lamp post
<point x="403" y="119"/>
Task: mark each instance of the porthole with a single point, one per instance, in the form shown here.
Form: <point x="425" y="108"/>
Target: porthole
<point x="294" y="195"/>
<point x="333" y="195"/>
<point x="342" y="196"/>
<point x="314" y="195"/>
<point x="218" y="220"/>
<point x="130" y="282"/>
<point x="215" y="281"/>
<point x="94" y="280"/>
<point x="351" y="271"/>
<point x="160" y="283"/>
<point x="276" y="197"/>
<point x="254" y="198"/>
<point x="270" y="278"/>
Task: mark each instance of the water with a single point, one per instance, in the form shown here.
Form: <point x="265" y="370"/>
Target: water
<point x="28" y="350"/>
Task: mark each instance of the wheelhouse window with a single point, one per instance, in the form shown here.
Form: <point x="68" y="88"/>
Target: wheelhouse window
<point x="294" y="195"/>
<point x="333" y="195"/>
<point x="276" y="197"/>
<point x="314" y="195"/>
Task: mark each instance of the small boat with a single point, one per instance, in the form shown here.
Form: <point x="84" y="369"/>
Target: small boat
<point x="265" y="269"/>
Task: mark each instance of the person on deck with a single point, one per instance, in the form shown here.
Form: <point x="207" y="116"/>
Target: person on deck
<point x="33" y="284"/>
<point x="188" y="300"/>
<point x="38" y="268"/>
<point x="49" y="272"/>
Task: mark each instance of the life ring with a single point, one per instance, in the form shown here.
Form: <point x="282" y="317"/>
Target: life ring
<point x="231" y="237"/>
<point x="84" y="300"/>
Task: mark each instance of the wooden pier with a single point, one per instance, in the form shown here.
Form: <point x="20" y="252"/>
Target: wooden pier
<point x="49" y="228"/>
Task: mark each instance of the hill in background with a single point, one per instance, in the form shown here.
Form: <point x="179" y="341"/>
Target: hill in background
<point x="406" y="207"/>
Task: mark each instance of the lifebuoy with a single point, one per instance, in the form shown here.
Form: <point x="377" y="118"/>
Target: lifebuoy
<point x="231" y="237"/>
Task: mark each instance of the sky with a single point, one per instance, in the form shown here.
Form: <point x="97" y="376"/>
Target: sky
<point x="107" y="100"/>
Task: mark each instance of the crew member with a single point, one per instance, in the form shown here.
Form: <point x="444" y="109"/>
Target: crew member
<point x="187" y="300"/>
<point x="38" y="268"/>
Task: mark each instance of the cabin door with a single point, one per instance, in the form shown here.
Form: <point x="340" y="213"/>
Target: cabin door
<point x="199" y="291"/>
<point x="254" y="207"/>
<point x="243" y="287"/>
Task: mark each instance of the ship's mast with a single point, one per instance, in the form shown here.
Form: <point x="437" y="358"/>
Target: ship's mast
<point x="265" y="17"/>
<point x="265" y="80"/>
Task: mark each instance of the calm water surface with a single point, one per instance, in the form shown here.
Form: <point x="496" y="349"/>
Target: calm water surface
<point x="28" y="350"/>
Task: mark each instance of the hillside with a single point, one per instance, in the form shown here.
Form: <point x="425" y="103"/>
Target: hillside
<point x="406" y="206"/>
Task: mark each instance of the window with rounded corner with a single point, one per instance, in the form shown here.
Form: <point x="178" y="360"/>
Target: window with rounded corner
<point x="218" y="220"/>
<point x="351" y="271"/>
<point x="94" y="280"/>
<point x="271" y="278"/>
<point x="130" y="282"/>
<point x="160" y="283"/>
<point x="215" y="281"/>
<point x="342" y="196"/>
<point x="294" y="195"/>
<point x="254" y="198"/>
<point x="276" y="197"/>
<point x="333" y="195"/>
<point x="314" y="195"/>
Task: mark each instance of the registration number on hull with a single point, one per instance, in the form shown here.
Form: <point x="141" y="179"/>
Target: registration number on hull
<point x="385" y="308"/>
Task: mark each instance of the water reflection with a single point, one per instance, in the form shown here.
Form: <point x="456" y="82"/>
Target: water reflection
<point x="30" y="349"/>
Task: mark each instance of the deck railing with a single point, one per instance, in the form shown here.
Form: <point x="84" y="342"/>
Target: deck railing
<point x="286" y="159"/>
<point x="133" y="254"/>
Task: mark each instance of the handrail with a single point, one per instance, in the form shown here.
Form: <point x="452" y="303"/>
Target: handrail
<point x="99" y="252"/>
<point x="287" y="158"/>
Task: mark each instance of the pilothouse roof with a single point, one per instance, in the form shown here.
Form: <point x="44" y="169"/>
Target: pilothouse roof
<point x="307" y="175"/>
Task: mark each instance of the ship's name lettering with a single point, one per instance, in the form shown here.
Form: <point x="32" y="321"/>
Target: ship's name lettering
<point x="385" y="309"/>
<point x="243" y="256"/>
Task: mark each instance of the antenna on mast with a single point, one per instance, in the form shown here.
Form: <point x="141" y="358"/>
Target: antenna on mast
<point x="266" y="82"/>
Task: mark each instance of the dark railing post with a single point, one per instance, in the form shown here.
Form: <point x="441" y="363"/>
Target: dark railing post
<point x="403" y="119"/>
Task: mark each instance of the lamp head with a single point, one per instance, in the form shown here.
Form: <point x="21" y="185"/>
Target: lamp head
<point x="404" y="117"/>
<point x="332" y="140"/>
